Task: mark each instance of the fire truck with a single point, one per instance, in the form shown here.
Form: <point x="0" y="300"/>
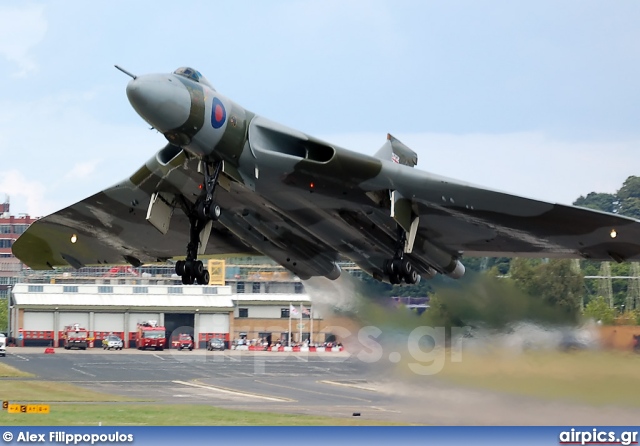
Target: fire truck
<point x="150" y="335"/>
<point x="75" y="336"/>
<point x="184" y="341"/>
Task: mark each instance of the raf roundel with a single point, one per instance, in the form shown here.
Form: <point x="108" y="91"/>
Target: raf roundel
<point x="218" y="113"/>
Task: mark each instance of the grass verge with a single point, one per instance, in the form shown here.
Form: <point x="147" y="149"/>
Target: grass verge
<point x="594" y="377"/>
<point x="136" y="414"/>
<point x="6" y="371"/>
<point x="18" y="391"/>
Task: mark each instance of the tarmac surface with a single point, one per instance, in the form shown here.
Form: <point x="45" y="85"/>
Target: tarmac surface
<point x="334" y="384"/>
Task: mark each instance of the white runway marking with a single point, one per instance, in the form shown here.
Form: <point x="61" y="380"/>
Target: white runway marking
<point x="158" y="356"/>
<point x="83" y="372"/>
<point x="234" y="392"/>
<point x="297" y="389"/>
<point x="354" y="386"/>
<point x="21" y="357"/>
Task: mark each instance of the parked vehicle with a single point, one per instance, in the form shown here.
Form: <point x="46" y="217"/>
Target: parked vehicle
<point x="184" y="341"/>
<point x="112" y="342"/>
<point x="216" y="344"/>
<point x="3" y="345"/>
<point x="75" y="337"/>
<point x="150" y="335"/>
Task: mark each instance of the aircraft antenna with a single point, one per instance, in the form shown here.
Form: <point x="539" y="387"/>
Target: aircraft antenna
<point x="125" y="71"/>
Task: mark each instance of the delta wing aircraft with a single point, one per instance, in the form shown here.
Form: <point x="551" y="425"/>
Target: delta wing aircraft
<point x="232" y="182"/>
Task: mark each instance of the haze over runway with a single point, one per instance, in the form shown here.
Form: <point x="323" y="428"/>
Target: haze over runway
<point x="333" y="384"/>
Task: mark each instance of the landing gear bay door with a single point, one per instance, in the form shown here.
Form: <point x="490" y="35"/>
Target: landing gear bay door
<point x="160" y="211"/>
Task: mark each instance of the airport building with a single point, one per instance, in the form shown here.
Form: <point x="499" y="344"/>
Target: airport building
<point x="39" y="313"/>
<point x="10" y="229"/>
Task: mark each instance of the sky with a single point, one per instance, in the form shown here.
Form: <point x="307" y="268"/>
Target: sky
<point x="540" y="99"/>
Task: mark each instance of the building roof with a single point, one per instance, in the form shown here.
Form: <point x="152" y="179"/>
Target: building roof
<point x="141" y="297"/>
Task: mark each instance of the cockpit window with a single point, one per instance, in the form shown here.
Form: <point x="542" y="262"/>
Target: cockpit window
<point x="192" y="74"/>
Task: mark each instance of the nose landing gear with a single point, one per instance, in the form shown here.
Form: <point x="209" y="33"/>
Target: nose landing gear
<point x="201" y="216"/>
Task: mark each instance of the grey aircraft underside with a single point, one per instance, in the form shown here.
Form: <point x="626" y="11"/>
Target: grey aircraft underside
<point x="231" y="182"/>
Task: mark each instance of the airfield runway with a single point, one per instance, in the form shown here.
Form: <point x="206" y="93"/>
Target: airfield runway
<point x="334" y="384"/>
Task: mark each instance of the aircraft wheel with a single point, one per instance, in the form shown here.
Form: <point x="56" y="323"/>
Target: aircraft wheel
<point x="187" y="279"/>
<point x="396" y="266"/>
<point x="180" y="267"/>
<point x="406" y="267"/>
<point x="198" y="268"/>
<point x="386" y="267"/>
<point x="395" y="278"/>
<point x="214" y="211"/>
<point x="204" y="278"/>
<point x="412" y="277"/>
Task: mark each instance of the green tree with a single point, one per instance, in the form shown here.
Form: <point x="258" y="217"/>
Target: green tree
<point x="629" y="197"/>
<point x="555" y="283"/>
<point x="598" y="201"/>
<point x="4" y="317"/>
<point x="599" y="310"/>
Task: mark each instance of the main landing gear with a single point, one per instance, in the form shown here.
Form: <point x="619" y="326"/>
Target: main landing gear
<point x="399" y="268"/>
<point x="200" y="215"/>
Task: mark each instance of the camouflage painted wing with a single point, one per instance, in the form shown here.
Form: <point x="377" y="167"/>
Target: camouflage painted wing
<point x="110" y="227"/>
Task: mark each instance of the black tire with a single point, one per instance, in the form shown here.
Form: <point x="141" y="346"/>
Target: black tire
<point x="187" y="279"/>
<point x="202" y="211"/>
<point x="395" y="279"/>
<point x="198" y="268"/>
<point x="204" y="278"/>
<point x="412" y="277"/>
<point x="180" y="267"/>
<point x="406" y="267"/>
<point x="386" y="267"/>
<point x="214" y="211"/>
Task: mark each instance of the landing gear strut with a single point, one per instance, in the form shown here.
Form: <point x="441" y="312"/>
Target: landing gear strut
<point x="200" y="214"/>
<point x="399" y="268"/>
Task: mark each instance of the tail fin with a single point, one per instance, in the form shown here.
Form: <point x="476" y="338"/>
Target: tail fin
<point x="397" y="152"/>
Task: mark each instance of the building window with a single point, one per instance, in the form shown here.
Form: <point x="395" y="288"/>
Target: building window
<point x="174" y="290"/>
<point x="5" y="229"/>
<point x="20" y="229"/>
<point x="284" y="313"/>
<point x="69" y="289"/>
<point x="210" y="290"/>
<point x="256" y="287"/>
<point x="14" y="267"/>
<point x="36" y="289"/>
<point x="243" y="312"/>
<point x="105" y="289"/>
<point x="4" y="293"/>
<point x="298" y="288"/>
<point x="240" y="287"/>
<point x="6" y="243"/>
<point x="140" y="290"/>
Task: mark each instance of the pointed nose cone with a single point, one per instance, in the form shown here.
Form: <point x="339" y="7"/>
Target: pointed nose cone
<point x="161" y="101"/>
